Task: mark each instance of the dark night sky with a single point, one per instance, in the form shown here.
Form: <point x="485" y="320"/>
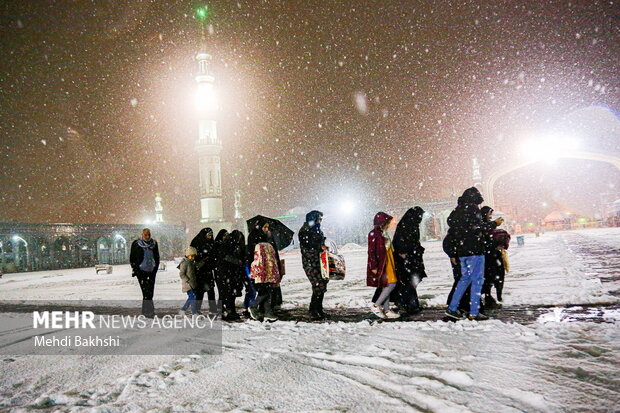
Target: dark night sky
<point x="96" y="109"/>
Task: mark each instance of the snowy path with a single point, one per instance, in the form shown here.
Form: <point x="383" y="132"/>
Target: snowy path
<point x="354" y="366"/>
<point x="431" y="366"/>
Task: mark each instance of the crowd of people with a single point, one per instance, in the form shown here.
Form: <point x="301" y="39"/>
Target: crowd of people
<point x="253" y="270"/>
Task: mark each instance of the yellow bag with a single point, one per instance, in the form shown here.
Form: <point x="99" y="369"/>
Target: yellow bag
<point x="505" y="259"/>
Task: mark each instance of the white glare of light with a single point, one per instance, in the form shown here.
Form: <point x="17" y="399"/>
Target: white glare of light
<point x="347" y="207"/>
<point x="549" y="147"/>
<point x="206" y="98"/>
<point x="148" y="221"/>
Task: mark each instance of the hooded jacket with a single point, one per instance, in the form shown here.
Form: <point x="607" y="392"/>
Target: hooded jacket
<point x="205" y="257"/>
<point x="187" y="273"/>
<point x="377" y="254"/>
<point x="467" y="227"/>
<point x="407" y="241"/>
<point x="311" y="238"/>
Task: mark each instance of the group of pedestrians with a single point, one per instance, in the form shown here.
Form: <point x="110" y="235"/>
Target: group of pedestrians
<point x="395" y="267"/>
<point x="477" y="251"/>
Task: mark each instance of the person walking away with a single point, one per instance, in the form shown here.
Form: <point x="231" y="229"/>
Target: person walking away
<point x="230" y="273"/>
<point x="205" y="265"/>
<point x="144" y="261"/>
<point x="259" y="234"/>
<point x="498" y="241"/>
<point x="189" y="280"/>
<point x="219" y="252"/>
<point x="469" y="231"/>
<point x="449" y="247"/>
<point x="381" y="271"/>
<point x="312" y="244"/>
<point x="266" y="275"/>
<point x="409" y="260"/>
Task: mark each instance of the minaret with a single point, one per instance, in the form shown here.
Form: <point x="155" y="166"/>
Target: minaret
<point x="238" y="215"/>
<point x="477" y="178"/>
<point x="159" y="210"/>
<point x="209" y="146"/>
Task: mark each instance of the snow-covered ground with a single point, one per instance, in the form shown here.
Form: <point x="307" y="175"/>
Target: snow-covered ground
<point x="398" y="366"/>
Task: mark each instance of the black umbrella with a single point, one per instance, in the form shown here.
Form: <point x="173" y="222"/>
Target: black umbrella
<point x="282" y="235"/>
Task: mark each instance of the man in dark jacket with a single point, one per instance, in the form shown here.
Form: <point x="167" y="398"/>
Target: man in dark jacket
<point x="144" y="260"/>
<point x="469" y="232"/>
<point x="312" y="244"/>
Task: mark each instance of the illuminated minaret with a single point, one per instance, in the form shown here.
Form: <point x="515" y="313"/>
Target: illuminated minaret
<point x="208" y="146"/>
<point x="477" y="178"/>
<point x="159" y="210"/>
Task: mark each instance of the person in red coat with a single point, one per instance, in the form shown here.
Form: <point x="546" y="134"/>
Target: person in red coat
<point x="381" y="271"/>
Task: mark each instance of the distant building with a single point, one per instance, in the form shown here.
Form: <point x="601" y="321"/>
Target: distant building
<point x="36" y="247"/>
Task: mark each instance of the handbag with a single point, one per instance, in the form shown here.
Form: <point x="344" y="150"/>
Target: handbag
<point x="333" y="266"/>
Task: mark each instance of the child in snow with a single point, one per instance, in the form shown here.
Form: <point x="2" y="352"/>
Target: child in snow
<point x="381" y="271"/>
<point x="187" y="273"/>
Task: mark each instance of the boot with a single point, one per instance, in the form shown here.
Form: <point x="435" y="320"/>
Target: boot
<point x="314" y="312"/>
<point x="319" y="307"/>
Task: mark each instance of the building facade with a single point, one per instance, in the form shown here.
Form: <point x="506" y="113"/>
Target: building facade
<point x="37" y="247"/>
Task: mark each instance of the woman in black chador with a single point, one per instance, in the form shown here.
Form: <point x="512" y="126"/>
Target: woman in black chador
<point x="230" y="272"/>
<point x="408" y="257"/>
<point x="205" y="265"/>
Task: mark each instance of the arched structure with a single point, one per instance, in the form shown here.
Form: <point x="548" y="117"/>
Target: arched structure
<point x="491" y="179"/>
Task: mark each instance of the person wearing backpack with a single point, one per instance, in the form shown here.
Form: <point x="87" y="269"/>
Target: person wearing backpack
<point x="144" y="261"/>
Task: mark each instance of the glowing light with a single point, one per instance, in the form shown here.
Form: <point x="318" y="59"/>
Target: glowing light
<point x="549" y="147"/>
<point x="347" y="207"/>
<point x="202" y="13"/>
<point x="206" y="98"/>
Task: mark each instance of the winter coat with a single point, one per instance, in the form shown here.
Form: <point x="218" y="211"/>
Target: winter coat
<point x="265" y="268"/>
<point x="231" y="268"/>
<point x="187" y="273"/>
<point x="449" y="245"/>
<point x="136" y="256"/>
<point x="205" y="257"/>
<point x="468" y="228"/>
<point x="256" y="237"/>
<point x="311" y="242"/>
<point x="407" y="241"/>
<point x="377" y="253"/>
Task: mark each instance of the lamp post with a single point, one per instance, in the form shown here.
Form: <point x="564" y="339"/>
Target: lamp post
<point x="16" y="239"/>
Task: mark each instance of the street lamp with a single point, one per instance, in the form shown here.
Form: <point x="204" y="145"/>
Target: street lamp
<point x="17" y="238"/>
<point x="548" y="147"/>
<point x="347" y="208"/>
